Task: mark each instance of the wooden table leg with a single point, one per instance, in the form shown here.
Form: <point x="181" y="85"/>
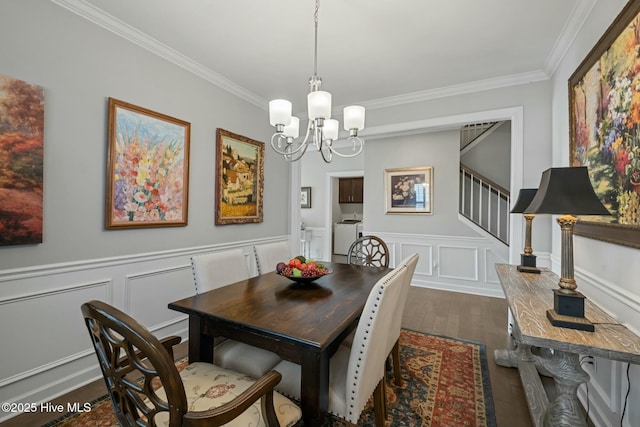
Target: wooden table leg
<point x="314" y="388"/>
<point x="200" y="345"/>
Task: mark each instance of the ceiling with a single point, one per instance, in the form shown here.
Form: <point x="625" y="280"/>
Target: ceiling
<point x="370" y="52"/>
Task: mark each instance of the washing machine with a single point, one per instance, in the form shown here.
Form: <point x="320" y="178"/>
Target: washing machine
<point x="344" y="234"/>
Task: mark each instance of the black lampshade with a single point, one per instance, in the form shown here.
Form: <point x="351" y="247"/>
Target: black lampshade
<point x="525" y="197"/>
<point x="566" y="191"/>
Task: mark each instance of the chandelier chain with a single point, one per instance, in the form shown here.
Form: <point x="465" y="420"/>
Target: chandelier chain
<point x="315" y="56"/>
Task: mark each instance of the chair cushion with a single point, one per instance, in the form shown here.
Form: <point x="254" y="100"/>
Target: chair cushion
<point x="244" y="358"/>
<point x="209" y="386"/>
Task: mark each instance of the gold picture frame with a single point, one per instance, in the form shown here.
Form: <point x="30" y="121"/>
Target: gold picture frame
<point x="409" y="190"/>
<point x="604" y="128"/>
<point x="147" y="168"/>
<point x="239" y="178"/>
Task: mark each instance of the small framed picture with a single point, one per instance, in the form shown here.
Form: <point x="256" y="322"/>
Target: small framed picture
<point x="409" y="190"/>
<point x="305" y="197"/>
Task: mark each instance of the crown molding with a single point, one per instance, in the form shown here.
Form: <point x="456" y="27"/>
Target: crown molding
<point x="460" y="89"/>
<point x="576" y="20"/>
<point x="116" y="26"/>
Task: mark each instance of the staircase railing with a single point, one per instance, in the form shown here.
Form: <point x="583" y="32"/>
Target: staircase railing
<point x="485" y="203"/>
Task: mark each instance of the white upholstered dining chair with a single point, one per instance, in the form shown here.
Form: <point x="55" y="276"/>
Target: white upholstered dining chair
<point x="269" y="255"/>
<point x="217" y="269"/>
<point x="393" y="344"/>
<point x="357" y="372"/>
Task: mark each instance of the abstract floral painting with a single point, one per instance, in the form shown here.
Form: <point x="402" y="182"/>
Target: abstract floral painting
<point x="604" y="97"/>
<point x="148" y="168"/>
<point x="21" y="161"/>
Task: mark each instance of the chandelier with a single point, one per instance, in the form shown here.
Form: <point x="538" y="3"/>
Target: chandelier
<point x="322" y="130"/>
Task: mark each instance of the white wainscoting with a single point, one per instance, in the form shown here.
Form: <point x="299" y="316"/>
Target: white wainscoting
<point x="452" y="263"/>
<point x="46" y="348"/>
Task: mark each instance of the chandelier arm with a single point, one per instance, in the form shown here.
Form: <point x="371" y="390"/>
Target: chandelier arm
<point x="326" y="157"/>
<point x="355" y="140"/>
<point x="292" y="158"/>
<point x="287" y="152"/>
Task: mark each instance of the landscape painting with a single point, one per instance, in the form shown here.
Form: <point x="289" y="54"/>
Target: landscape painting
<point x="239" y="178"/>
<point x="21" y="161"/>
<point x="148" y="168"/>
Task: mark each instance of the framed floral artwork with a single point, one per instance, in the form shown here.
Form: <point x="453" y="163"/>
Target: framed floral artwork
<point x="147" y="168"/>
<point x="604" y="111"/>
<point x="239" y="178"/>
<point x="409" y="190"/>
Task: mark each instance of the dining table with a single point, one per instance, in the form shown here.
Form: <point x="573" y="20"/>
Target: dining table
<point x="304" y="323"/>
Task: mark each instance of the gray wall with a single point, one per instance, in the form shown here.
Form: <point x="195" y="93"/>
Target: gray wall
<point x="439" y="150"/>
<point x="491" y="157"/>
<point x="80" y="65"/>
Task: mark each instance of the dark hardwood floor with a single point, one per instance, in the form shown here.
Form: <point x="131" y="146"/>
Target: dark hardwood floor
<point x="470" y="317"/>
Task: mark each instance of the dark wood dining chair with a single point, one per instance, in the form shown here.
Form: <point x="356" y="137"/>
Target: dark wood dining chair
<point x="357" y="372"/>
<point x="146" y="388"/>
<point x="370" y="251"/>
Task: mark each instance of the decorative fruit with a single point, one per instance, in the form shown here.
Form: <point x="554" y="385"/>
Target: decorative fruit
<point x="295" y="268"/>
<point x="294" y="262"/>
<point x="301" y="258"/>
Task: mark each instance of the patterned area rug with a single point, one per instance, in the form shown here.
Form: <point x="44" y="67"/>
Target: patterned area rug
<point x="445" y="384"/>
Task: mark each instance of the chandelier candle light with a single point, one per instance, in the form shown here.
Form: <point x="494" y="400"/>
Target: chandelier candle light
<point x="322" y="129"/>
<point x="568" y="192"/>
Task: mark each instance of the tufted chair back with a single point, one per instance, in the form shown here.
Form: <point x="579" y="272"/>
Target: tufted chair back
<point x="217" y="269"/>
<point x="270" y="254"/>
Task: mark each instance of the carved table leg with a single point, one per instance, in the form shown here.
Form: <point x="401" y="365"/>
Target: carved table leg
<point x="509" y="358"/>
<point x="565" y="409"/>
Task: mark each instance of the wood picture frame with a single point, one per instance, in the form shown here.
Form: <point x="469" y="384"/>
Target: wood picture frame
<point x="147" y="168"/>
<point x="604" y="106"/>
<point x="239" y="178"/>
<point x="305" y="197"/>
<point x="409" y="190"/>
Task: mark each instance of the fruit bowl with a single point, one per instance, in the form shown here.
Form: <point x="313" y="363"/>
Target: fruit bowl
<point x="303" y="280"/>
<point x="302" y="270"/>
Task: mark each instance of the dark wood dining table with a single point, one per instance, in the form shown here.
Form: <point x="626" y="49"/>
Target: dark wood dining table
<point x="302" y="323"/>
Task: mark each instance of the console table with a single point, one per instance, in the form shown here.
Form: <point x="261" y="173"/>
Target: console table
<point x="541" y="348"/>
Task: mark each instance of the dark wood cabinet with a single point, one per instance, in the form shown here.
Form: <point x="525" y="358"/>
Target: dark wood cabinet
<point x="350" y="190"/>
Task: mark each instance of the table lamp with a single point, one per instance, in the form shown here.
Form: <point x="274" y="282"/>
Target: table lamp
<point x="568" y="192"/>
<point x="527" y="259"/>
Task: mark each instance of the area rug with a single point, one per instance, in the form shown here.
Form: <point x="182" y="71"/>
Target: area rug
<point x="445" y="384"/>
